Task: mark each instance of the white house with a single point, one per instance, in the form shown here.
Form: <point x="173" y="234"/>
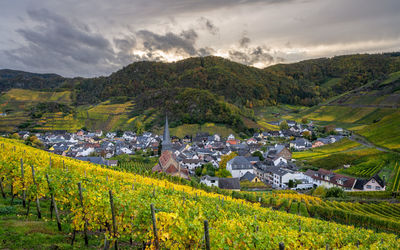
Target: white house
<point x="209" y="181"/>
<point x="231" y="137"/>
<point x="239" y="166"/>
<point x="192" y="163"/>
<point x="279" y="160"/>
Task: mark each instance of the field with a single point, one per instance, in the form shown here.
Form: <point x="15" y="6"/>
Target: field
<point x="385" y="132"/>
<point x="364" y="162"/>
<point x="15" y="96"/>
<point x="179" y="210"/>
<point x="192" y="129"/>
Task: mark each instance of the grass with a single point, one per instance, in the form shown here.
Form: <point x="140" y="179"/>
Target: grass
<point x="330" y="83"/>
<point x="18" y="231"/>
<point x="384" y="133"/>
<point x="341" y="114"/>
<point x="344" y="145"/>
<point x="392" y="77"/>
<point x="192" y="129"/>
<point x="32" y="96"/>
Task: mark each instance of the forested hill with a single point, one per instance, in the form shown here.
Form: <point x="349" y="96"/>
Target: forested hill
<point x="24" y="80"/>
<point x="297" y="83"/>
<point x="328" y="77"/>
<point x="213" y="89"/>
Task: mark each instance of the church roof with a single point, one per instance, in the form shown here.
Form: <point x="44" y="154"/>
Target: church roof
<point x="166" y="143"/>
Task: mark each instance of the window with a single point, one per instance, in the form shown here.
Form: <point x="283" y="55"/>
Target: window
<point x="373" y="181"/>
<point x="368" y="186"/>
<point x="377" y="188"/>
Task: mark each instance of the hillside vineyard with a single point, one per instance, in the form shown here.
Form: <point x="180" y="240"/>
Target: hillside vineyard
<point x="180" y="210"/>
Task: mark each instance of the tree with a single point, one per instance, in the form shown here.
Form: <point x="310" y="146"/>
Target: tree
<point x="208" y="169"/>
<point x="335" y="192"/>
<point x="319" y="191"/>
<point x="225" y="159"/>
<point x="307" y="134"/>
<point x="284" y="125"/>
<point x="291" y="184"/>
<point x="304" y="120"/>
<point x="198" y="171"/>
<point x="223" y="173"/>
<point x="138" y="126"/>
<point x="119" y="133"/>
<point x="329" y="129"/>
<point x="259" y="155"/>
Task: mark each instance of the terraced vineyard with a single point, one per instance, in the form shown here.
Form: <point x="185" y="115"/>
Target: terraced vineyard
<point x="396" y="182"/>
<point x="116" y="204"/>
<point x="382" y="216"/>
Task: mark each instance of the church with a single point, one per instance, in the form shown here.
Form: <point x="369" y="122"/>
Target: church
<point x="167" y="162"/>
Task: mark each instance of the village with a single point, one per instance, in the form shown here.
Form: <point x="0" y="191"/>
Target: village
<point x="264" y="158"/>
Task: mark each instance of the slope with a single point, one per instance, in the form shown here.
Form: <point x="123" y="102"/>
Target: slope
<point x="180" y="210"/>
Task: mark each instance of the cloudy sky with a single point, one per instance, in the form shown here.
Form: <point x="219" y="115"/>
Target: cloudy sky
<point x="97" y="37"/>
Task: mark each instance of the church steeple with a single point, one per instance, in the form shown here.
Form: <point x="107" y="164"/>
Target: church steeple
<point x="166" y="143"/>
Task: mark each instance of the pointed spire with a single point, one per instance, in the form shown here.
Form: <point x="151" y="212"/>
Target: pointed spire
<point x="166" y="143"/>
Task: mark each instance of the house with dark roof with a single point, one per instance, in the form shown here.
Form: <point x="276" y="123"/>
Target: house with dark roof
<point x="229" y="183"/>
<point x="250" y="177"/>
<point x="223" y="183"/>
<point x="278" y="150"/>
<point x="329" y="179"/>
<point x="375" y="183"/>
<point x="300" y="144"/>
<point x="239" y="166"/>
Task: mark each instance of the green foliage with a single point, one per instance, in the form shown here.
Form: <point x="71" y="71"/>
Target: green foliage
<point x="259" y="155"/>
<point x="250" y="185"/>
<point x="223" y="173"/>
<point x="225" y="159"/>
<point x="320" y="191"/>
<point x="6" y="210"/>
<point x="38" y="110"/>
<point x="284" y="125"/>
<point x="335" y="192"/>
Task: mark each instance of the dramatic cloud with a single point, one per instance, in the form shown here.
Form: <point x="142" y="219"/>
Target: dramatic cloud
<point x="57" y="43"/>
<point x="244" y="42"/>
<point x="183" y="43"/>
<point x="97" y="37"/>
<point x="209" y="25"/>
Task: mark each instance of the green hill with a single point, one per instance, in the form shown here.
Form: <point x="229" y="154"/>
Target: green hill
<point x="198" y="91"/>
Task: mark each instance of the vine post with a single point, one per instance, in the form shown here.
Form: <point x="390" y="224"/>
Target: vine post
<point x="153" y="217"/>
<point x="37" y="197"/>
<point x="85" y="230"/>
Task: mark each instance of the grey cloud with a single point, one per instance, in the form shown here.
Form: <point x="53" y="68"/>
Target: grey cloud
<point x="56" y="42"/>
<point x="252" y="56"/>
<point x="206" y="51"/>
<point x="244" y="42"/>
<point x="126" y="43"/>
<point x="209" y="25"/>
<point x="170" y="42"/>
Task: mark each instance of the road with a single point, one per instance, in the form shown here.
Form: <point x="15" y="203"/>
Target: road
<point x="364" y="141"/>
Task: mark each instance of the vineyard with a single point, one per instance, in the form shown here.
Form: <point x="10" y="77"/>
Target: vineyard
<point x="380" y="216"/>
<point x="130" y="208"/>
<point x="362" y="170"/>
<point x="396" y="183"/>
<point x="135" y="167"/>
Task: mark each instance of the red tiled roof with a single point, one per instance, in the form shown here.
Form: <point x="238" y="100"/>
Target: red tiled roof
<point x="348" y="182"/>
